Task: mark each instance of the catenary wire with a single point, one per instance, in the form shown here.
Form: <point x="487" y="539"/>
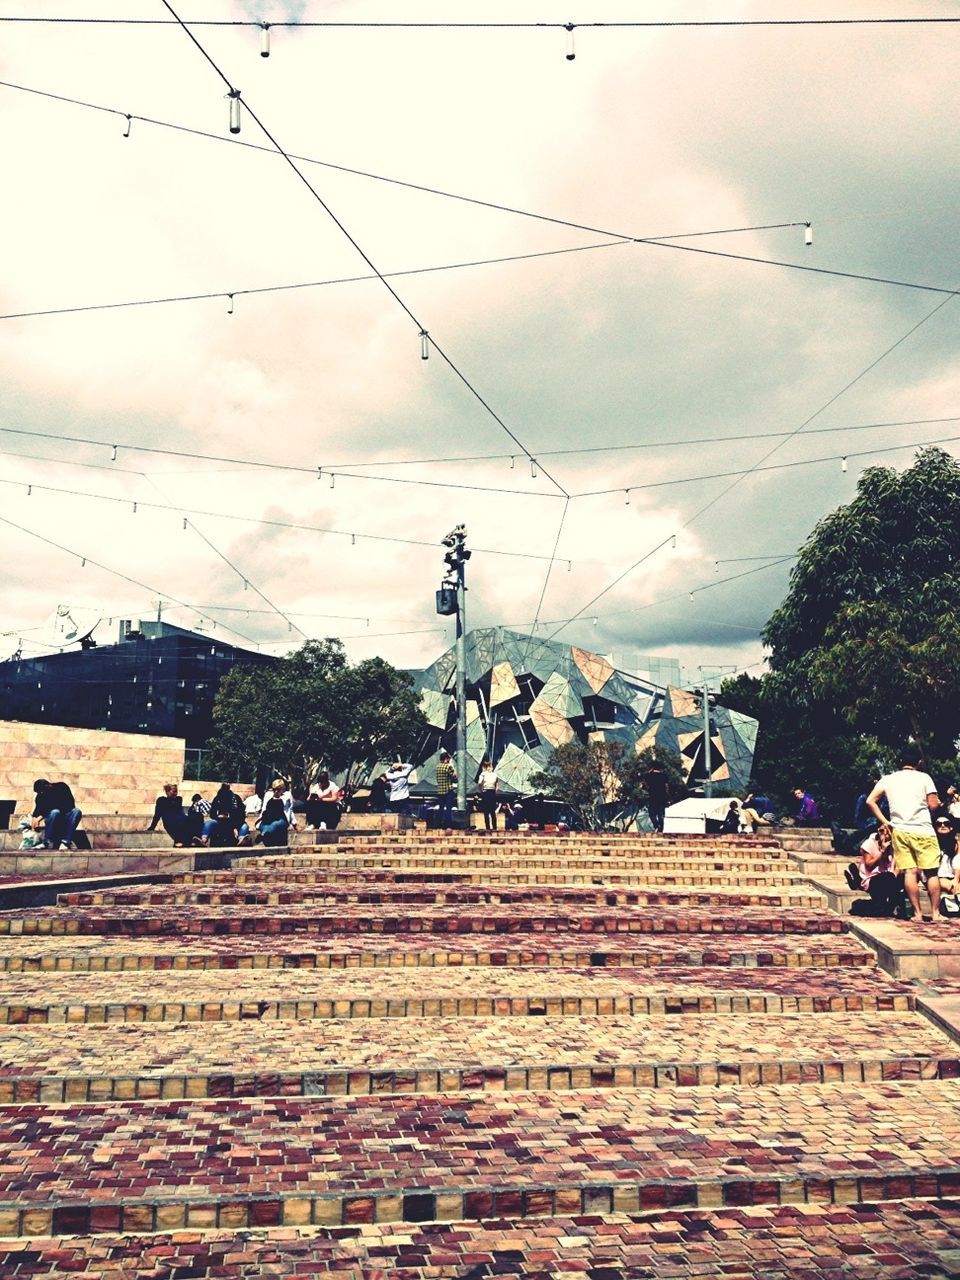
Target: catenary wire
<point x="707" y="506"/>
<point x="635" y="24"/>
<point x="341" y="226"/>
<point x="278" y="524"/>
<point x="348" y="468"/>
<point x="662" y="241"/>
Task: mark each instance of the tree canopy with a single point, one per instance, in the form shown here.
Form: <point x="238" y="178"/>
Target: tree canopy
<point x="312" y="710"/>
<point x="597" y="778"/>
<point x="869" y="627"/>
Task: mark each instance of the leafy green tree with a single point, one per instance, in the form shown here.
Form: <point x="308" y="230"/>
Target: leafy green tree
<point x="598" y="778"/>
<point x="868" y="632"/>
<point x="311" y="710"/>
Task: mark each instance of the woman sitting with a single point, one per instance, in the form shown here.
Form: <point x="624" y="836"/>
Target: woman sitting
<point x="273" y="822"/>
<point x="874" y="873"/>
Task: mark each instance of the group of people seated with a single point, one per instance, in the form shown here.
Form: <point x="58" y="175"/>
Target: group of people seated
<point x="228" y="820"/>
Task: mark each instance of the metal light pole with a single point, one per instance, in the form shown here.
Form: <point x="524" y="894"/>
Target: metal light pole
<point x="451" y="599"/>
<point x="707" y="759"/>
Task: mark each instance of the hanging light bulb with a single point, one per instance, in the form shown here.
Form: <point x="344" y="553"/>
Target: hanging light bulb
<point x="353" y="539"/>
<point x="673" y="543"/>
<point x="245" y="584"/>
<point x="571" y="48"/>
<point x="319" y="473"/>
<point x="626" y="497"/>
<point x="29" y="490"/>
<point x="333" y="480"/>
<point x="113" y="455"/>
<point x="513" y="462"/>
<point x="569" y="566"/>
<point x="83" y="562"/>
<point x="229" y="304"/>
<point x="843" y="464"/>
<point x="134" y="508"/>
<point x="424" y="345"/>
<point x="265" y="40"/>
<point x="126" y="132"/>
<point x="184" y="521"/>
<point x="691" y="595"/>
<point x="533" y="468"/>
<point x="234" y="96"/>
<point x="595" y="621"/>
<point x="807" y="234"/>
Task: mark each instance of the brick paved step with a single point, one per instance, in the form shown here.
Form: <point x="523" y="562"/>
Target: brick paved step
<point x="453" y="859"/>
<point x="814" y="1241"/>
<point x="56" y="1064"/>
<point x="358" y="919"/>
<point x="238" y="995"/>
<point x="268" y="894"/>
<point x="462" y="888"/>
<point x="558" y="949"/>
<point x="142" y="1166"/>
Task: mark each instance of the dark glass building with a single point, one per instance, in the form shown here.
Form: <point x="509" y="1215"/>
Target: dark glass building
<point x="157" y="679"/>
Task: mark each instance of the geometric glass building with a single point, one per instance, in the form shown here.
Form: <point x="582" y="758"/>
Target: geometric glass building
<point x="526" y="696"/>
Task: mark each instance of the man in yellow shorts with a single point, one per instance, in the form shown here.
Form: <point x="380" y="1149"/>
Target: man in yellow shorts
<point x="912" y="797"/>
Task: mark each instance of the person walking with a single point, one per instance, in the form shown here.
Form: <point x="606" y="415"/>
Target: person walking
<point x="488" y="784"/>
<point x="912" y="796"/>
<point x="446" y="790"/>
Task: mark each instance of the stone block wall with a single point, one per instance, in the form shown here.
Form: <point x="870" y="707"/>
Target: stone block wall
<point x="109" y="773"/>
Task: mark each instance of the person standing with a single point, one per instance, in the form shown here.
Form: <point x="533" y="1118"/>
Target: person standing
<point x="658" y="793"/>
<point x="488" y="784"/>
<point x="56" y="811"/>
<point x="912" y="796"/>
<point x="398" y="779"/>
<point x="446" y="789"/>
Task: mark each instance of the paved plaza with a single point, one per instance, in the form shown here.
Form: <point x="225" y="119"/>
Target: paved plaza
<point x="425" y="1057"/>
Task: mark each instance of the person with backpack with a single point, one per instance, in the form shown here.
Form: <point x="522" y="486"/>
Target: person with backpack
<point x="912" y="796"/>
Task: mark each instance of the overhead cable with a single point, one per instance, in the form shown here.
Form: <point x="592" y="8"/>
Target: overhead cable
<point x="661" y="241"/>
<point x="636" y="24"/>
<point x="420" y="327"/>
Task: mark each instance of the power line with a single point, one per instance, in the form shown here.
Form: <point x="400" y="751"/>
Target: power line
<point x="707" y="506"/>
<point x="421" y="328"/>
<point x="776" y="466"/>
<point x="278" y="524"/>
<point x="348" y="469"/>
<point x="226" y="294"/>
<point x="640" y="25"/>
<point x="115" y="572"/>
<point x="660" y="241"/>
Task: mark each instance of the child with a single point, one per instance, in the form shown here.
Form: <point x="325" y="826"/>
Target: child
<point x="29" y="839"/>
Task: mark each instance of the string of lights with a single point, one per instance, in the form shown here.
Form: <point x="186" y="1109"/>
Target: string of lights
<point x="278" y="524"/>
<point x="428" y="342"/>
<point x="347" y="468"/>
<point x="447" y="25"/>
<point x="661" y="241"/>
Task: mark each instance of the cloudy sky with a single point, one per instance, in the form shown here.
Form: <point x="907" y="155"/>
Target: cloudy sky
<point x="669" y="393"/>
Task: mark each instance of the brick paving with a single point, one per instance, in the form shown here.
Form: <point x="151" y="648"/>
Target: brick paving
<point x="443" y="1056"/>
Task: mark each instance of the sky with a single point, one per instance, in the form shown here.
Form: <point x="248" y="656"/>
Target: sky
<point x="637" y="436"/>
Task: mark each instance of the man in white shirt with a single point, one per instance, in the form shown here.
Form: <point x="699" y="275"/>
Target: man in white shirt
<point x="398" y="778"/>
<point x="912" y="797"/>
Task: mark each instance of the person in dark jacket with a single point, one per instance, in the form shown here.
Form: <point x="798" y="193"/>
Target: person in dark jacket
<point x="56" y="810"/>
<point x="226" y="817"/>
<point x="168" y="810"/>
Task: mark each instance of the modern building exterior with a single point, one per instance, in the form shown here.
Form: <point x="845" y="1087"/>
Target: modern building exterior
<point x="157" y="679"/>
<point x="526" y="696"/>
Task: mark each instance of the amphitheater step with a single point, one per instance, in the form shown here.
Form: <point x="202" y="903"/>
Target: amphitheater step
<point x="248" y="1162"/>
<point x="248" y="994"/>
<point x="50" y="1064"/>
<point x="815" y="1241"/>
<point x="557" y="949"/>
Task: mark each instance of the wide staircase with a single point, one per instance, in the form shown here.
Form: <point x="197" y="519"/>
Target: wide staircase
<point x="423" y="1056"/>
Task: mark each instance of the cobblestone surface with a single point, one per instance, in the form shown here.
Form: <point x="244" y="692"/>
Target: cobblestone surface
<point x="816" y="1242"/>
<point x="211" y="996"/>
<point x="515" y="1155"/>
<point x="53" y="1064"/>
<point x="558" y="949"/>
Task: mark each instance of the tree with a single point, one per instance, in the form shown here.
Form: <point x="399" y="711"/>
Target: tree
<point x="596" y="777"/>
<point x="869" y="628"/>
<point x="311" y="710"/>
